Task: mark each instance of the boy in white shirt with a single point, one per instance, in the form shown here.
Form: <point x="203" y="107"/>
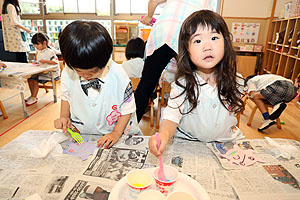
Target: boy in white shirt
<point x="134" y="53"/>
<point x="274" y="89"/>
<point x="97" y="96"/>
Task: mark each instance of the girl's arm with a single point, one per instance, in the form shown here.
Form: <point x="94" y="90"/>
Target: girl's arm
<point x="63" y="122"/>
<point x="50" y="62"/>
<point x="166" y="131"/>
<point x="152" y="4"/>
<point x="111" y="138"/>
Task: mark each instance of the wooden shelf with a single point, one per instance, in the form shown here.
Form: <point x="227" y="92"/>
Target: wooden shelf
<point x="285" y="62"/>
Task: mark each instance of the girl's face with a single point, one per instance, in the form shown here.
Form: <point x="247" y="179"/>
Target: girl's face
<point x="41" y="46"/>
<point x="206" y="48"/>
<point x="89" y="74"/>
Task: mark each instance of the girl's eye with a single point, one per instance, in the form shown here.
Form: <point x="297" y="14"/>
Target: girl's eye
<point x="215" y="38"/>
<point x="197" y="41"/>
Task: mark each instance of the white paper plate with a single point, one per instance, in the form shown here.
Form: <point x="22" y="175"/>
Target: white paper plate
<point x="184" y="183"/>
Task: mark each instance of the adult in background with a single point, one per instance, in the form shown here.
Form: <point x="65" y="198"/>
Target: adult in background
<point x="162" y="44"/>
<point x="14" y="33"/>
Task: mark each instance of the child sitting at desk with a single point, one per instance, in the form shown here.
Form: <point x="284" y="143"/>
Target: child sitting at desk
<point x="45" y="56"/>
<point x="205" y="95"/>
<point x="97" y="96"/>
<point x="134" y="53"/>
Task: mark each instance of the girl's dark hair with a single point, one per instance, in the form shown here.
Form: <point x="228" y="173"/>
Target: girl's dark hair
<point x="135" y="48"/>
<point x="13" y="2"/>
<point x="225" y="70"/>
<point x="39" y="38"/>
<point x="85" y="45"/>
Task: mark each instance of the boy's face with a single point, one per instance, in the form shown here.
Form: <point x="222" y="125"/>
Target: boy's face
<point x="89" y="74"/>
<point x="206" y="48"/>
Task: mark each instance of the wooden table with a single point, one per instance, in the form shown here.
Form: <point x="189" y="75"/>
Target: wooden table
<point x="16" y="74"/>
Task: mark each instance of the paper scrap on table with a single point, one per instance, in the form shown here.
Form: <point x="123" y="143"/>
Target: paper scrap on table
<point x="241" y="157"/>
<point x="46" y="146"/>
<point x="82" y="151"/>
<point x="285" y="151"/>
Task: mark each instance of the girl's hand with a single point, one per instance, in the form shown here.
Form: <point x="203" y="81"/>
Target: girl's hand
<point x="62" y="123"/>
<point x="146" y="20"/>
<point x="153" y="144"/>
<point x="42" y="61"/>
<point x="28" y="31"/>
<point x="108" y="140"/>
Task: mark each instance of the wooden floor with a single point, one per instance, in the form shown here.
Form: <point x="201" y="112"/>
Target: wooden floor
<point x="45" y="112"/>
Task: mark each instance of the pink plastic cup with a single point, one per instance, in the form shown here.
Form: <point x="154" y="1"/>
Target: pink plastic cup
<point x="171" y="174"/>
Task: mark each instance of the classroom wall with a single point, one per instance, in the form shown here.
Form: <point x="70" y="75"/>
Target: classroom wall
<point x="246" y="8"/>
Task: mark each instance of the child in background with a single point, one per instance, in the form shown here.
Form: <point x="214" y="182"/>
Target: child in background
<point x="97" y="96"/>
<point x="134" y="53"/>
<point x="274" y="89"/>
<point x="206" y="93"/>
<point x="45" y="56"/>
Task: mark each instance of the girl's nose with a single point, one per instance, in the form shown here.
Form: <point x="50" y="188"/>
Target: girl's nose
<point x="207" y="46"/>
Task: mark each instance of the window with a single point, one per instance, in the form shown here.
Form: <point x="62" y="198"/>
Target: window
<point x="30" y="6"/>
<point x="133" y="7"/>
<point x="79" y="6"/>
<point x="54" y="6"/>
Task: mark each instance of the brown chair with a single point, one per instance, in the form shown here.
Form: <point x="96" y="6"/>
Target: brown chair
<point x="46" y="86"/>
<point x="253" y="108"/>
<point x="135" y="82"/>
<point x="162" y="102"/>
<point x="3" y="110"/>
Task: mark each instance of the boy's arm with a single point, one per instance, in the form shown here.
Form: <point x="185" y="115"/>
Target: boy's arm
<point x="63" y="122"/>
<point x="111" y="138"/>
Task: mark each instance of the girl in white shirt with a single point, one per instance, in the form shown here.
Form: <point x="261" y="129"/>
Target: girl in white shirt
<point x="97" y="96"/>
<point x="205" y="95"/>
<point x="14" y="33"/>
<point x="45" y="56"/>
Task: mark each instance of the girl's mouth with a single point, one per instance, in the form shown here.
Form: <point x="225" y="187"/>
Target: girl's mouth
<point x="208" y="57"/>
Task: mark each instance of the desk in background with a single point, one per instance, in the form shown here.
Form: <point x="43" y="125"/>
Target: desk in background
<point x="248" y="62"/>
<point x="16" y="74"/>
<point x="59" y="176"/>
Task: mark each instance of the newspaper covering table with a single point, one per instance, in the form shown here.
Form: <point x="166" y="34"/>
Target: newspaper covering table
<point x="61" y="176"/>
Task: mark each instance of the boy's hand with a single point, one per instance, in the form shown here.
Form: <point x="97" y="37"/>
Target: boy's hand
<point x="62" y="123"/>
<point x="108" y="140"/>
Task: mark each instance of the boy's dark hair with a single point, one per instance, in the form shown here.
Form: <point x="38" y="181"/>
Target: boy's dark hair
<point x="85" y="45"/>
<point x="249" y="77"/>
<point x="39" y="38"/>
<point x="135" y="48"/>
<point x="14" y="3"/>
<point x="225" y="70"/>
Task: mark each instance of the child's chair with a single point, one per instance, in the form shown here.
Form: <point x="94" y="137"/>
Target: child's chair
<point x="162" y="99"/>
<point x="253" y="108"/>
<point x="3" y="110"/>
<point x="135" y="83"/>
<point x="47" y="86"/>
